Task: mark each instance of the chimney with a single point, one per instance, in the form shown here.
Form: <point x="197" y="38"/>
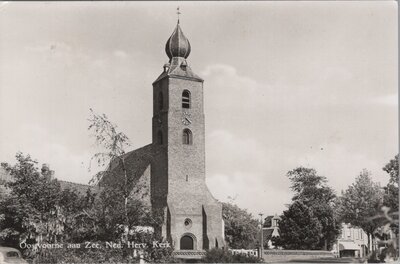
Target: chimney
<point x="46" y="172"/>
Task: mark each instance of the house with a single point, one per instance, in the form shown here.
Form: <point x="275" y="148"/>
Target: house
<point x="271" y="229"/>
<point x="352" y="242"/>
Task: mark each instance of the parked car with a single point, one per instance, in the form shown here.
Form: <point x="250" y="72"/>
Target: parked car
<point x="10" y="255"/>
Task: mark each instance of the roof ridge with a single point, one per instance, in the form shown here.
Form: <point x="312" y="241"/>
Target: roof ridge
<point x="77" y="183"/>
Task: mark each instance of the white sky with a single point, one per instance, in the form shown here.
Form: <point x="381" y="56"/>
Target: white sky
<point x="286" y="84"/>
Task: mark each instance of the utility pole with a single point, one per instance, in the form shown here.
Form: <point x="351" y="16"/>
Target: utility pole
<point x="262" y="240"/>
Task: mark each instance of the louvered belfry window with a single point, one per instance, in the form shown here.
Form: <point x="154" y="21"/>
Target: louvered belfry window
<point x="186" y="99"/>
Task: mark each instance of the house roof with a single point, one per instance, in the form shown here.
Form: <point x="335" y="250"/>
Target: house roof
<point x="80" y="188"/>
<point x="267" y="233"/>
<point x="268" y="221"/>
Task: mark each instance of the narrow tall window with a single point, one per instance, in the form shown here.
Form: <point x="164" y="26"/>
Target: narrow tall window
<point x="187" y="137"/>
<point x="159" y="138"/>
<point x="186" y="99"/>
<point x="160" y="101"/>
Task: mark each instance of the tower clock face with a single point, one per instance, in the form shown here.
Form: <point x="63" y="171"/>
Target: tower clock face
<point x="186" y="119"/>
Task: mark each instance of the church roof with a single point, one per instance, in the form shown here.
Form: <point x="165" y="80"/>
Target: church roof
<point x="137" y="165"/>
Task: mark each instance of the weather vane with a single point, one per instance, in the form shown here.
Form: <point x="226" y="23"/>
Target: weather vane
<point x="178" y="13"/>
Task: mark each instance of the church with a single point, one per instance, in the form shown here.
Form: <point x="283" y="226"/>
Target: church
<point x="172" y="167"/>
<point x="169" y="173"/>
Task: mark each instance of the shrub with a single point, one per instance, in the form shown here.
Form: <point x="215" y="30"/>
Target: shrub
<point x="102" y="255"/>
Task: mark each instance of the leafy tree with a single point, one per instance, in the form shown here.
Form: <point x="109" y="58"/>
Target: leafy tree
<point x="361" y="203"/>
<point x="388" y="234"/>
<point x="111" y="222"/>
<point x="32" y="209"/>
<point x="311" y="189"/>
<point x="16" y="221"/>
<point x="241" y="229"/>
<point x="391" y="198"/>
<point x="38" y="210"/>
<point x="80" y="224"/>
<point x="299" y="229"/>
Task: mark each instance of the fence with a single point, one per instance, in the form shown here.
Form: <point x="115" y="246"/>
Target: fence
<point x="247" y="252"/>
<point x="289" y="255"/>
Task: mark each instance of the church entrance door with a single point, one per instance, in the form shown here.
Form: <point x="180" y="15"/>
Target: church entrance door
<point x="187" y="242"/>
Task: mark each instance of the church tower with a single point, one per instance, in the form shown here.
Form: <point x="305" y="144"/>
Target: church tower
<point x="192" y="216"/>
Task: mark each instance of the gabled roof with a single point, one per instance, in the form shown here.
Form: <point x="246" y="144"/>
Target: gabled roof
<point x="267" y="233"/>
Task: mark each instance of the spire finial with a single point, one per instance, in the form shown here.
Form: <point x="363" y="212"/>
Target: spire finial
<point x="178" y="13"/>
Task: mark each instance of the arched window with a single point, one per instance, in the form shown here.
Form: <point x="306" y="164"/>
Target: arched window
<point x="159" y="138"/>
<point x="187" y="137"/>
<point x="186" y="99"/>
<point x="160" y="101"/>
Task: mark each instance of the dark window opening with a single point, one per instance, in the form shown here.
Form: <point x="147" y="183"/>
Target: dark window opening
<point x="186" y="99"/>
<point x="187" y="137"/>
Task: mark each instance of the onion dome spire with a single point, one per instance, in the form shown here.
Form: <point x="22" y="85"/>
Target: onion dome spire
<point x="177" y="45"/>
<point x="178" y="49"/>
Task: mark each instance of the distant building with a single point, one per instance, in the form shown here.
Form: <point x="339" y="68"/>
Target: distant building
<point x="352" y="242"/>
<point x="271" y="229"/>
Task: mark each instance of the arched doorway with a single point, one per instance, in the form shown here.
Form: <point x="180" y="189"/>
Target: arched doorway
<point x="187" y="242"/>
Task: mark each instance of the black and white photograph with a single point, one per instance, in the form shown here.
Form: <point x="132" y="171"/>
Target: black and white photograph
<point x="199" y="132"/>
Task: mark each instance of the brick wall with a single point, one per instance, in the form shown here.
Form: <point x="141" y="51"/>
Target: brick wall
<point x="179" y="173"/>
